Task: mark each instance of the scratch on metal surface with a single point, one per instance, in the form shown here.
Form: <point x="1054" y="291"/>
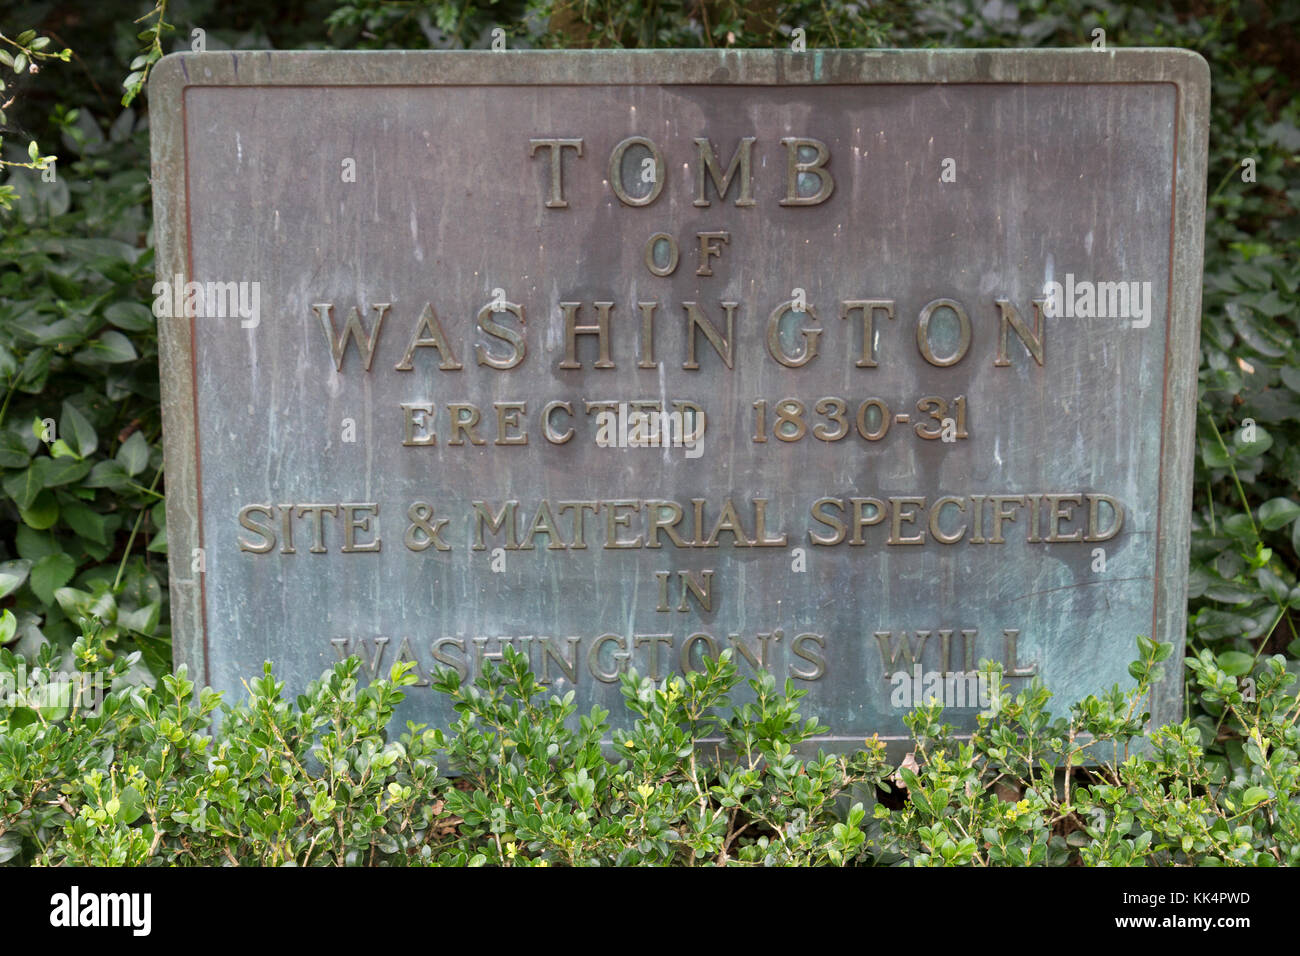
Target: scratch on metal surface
<point x="1084" y="584"/>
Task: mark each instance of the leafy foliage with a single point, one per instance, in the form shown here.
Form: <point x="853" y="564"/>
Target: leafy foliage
<point x="318" y="781"/>
<point x="31" y="50"/>
<point x="80" y="456"/>
<point x="82" y="529"/>
<point x="1016" y="793"/>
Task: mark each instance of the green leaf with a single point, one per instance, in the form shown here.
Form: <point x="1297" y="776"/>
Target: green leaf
<point x="1273" y="586"/>
<point x="1251" y="449"/>
<point x="86" y="522"/>
<point x="131" y="805"/>
<point x="11" y="845"/>
<point x="61" y="449"/>
<point x="1230" y="592"/>
<point x="1213" y="456"/>
<point x="1254" y="331"/>
<point x="50" y="573"/>
<point x="24" y="486"/>
<point x="134" y="454"/>
<point x="1254" y="796"/>
<point x="142" y="619"/>
<point x="34" y="545"/>
<point x="62" y="471"/>
<point x="1235" y="663"/>
<point x="77" y="603"/>
<point x="1278" y="513"/>
<point x="13" y="453"/>
<point x="921" y="800"/>
<point x="12" y="575"/>
<point x="1239" y="526"/>
<point x="132" y="316"/>
<point x="111" y="347"/>
<point x="939" y="801"/>
<point x="43" y="512"/>
<point x="107" y="474"/>
<point x="75" y="428"/>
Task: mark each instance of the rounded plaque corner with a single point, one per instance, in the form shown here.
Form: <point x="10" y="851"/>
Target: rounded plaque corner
<point x="1190" y="70"/>
<point x="168" y="77"/>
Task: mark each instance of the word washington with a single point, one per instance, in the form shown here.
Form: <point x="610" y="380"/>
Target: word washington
<point x="706" y="327"/>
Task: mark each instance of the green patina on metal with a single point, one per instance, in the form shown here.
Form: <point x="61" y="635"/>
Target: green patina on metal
<point x="1054" y="199"/>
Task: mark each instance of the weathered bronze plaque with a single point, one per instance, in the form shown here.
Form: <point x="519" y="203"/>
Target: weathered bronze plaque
<point x="868" y="366"/>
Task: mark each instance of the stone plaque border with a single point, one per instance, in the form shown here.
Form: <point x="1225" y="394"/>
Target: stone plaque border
<point x="1185" y="70"/>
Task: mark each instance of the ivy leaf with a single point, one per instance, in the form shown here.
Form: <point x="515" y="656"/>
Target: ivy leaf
<point x="49" y="574"/>
<point x="134" y="454"/>
<point x="10" y="845"/>
<point x="158" y="544"/>
<point x="62" y="471"/>
<point x="44" y="511"/>
<point x="132" y="316"/>
<point x="142" y="619"/>
<point x="1212" y="625"/>
<point x="111" y="347"/>
<point x="1229" y="592"/>
<point x="61" y="449"/>
<point x="12" y="575"/>
<point x="107" y="474"/>
<point x="13" y="453"/>
<point x="1251" y="449"/>
<point x="1213" y="456"/>
<point x="24" y="486"/>
<point x="77" y="603"/>
<point x="86" y="522"/>
<point x="1273" y="586"/>
<point x="1239" y="527"/>
<point x="1278" y="513"/>
<point x="76" y="427"/>
<point x="34" y="545"/>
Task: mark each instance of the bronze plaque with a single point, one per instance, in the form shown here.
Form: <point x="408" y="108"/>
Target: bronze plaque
<point x="866" y="366"/>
